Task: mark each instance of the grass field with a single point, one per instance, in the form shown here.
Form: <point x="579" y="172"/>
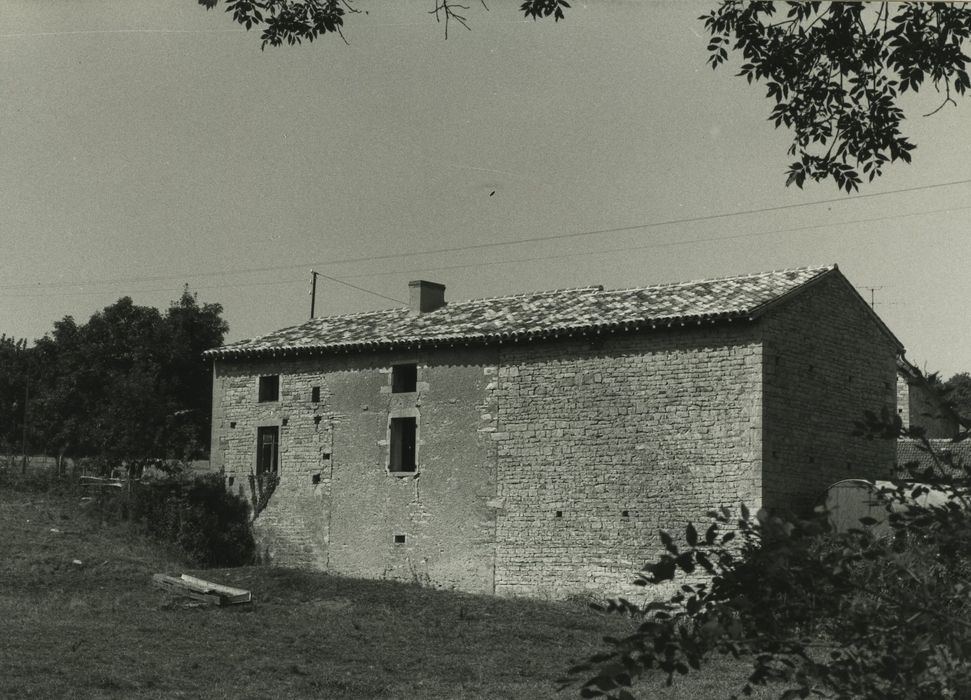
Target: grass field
<point x="99" y="630"/>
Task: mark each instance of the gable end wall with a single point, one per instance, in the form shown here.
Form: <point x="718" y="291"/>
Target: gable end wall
<point x="827" y="360"/>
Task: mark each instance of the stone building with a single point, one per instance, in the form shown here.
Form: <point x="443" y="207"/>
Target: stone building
<point x="919" y="404"/>
<point x="535" y="444"/>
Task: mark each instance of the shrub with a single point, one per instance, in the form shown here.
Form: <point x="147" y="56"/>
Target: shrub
<point x="209" y="524"/>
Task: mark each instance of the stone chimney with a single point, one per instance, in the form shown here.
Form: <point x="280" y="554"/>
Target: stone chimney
<point x="426" y="296"/>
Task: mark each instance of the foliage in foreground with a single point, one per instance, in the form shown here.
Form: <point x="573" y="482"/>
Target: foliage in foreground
<point x="827" y="614"/>
<point x="295" y="21"/>
<point x="836" y="71"/>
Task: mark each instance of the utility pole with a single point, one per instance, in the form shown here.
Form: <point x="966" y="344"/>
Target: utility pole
<point x="313" y="291"/>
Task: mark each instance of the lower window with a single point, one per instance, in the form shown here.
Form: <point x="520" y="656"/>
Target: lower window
<point x="404" y="441"/>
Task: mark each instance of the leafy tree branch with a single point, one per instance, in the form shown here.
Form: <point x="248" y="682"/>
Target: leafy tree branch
<point x="296" y="21"/>
<point x="836" y="71"/>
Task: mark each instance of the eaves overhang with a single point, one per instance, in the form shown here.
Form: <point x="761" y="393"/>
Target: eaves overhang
<point x="480" y="339"/>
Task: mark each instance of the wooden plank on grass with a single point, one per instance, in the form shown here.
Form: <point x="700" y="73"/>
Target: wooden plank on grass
<point x="230" y="594"/>
<point x="197" y="588"/>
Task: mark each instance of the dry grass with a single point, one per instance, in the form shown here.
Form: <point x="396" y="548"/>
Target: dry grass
<point x="99" y="630"/>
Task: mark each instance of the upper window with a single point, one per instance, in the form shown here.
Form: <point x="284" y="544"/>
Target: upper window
<point x="315" y="394"/>
<point x="404" y="378"/>
<point x="270" y="388"/>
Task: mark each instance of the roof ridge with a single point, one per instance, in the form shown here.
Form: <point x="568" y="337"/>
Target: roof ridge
<point x="688" y="283"/>
<point x="517" y="295"/>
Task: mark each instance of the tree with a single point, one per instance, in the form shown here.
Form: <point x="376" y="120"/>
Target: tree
<point x="14" y="393"/>
<point x="295" y="21"/>
<point x="848" y="615"/>
<point x="835" y="73"/>
<point x="129" y="385"/>
<point x="957" y="391"/>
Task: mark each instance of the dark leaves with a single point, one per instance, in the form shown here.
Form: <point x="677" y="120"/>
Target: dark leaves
<point x="293" y="22"/>
<point x="537" y="9"/>
<point x="834" y="73"/>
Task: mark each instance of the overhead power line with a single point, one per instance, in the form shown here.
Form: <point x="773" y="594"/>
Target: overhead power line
<point x="663" y="244"/>
<point x="495" y="244"/>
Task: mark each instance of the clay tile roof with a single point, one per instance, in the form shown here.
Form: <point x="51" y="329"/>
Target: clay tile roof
<point x="911" y="452"/>
<point x="536" y="315"/>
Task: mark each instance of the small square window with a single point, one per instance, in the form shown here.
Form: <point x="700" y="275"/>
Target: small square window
<point x="269" y="388"/>
<point x="399" y="539"/>
<point x="315" y="395"/>
<point x="404" y="378"/>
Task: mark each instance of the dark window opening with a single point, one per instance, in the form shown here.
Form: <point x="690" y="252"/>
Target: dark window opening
<point x="267" y="450"/>
<point x="399" y="539"/>
<point x="315" y="394"/>
<point x="559" y="514"/>
<point x="317" y="420"/>
<point x="404" y="378"/>
<point x="625" y="513"/>
<point x="232" y="424"/>
<point x="270" y="388"/>
<point x="315" y="479"/>
<point x="404" y="440"/>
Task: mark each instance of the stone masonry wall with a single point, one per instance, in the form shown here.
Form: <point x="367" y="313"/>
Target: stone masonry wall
<point x="337" y="507"/>
<point x="917" y="406"/>
<point x="826" y="361"/>
<point x="600" y="446"/>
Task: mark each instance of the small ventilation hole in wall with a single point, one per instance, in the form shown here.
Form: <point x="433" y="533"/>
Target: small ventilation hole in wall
<point x="900" y="410"/>
<point x="325" y="455"/>
<point x="317" y="420"/>
<point x="315" y="479"/>
<point x="625" y="514"/>
<point x="232" y="424"/>
<point x="559" y="514"/>
<point x="399" y="539"/>
<point x="231" y="480"/>
<point x="285" y="421"/>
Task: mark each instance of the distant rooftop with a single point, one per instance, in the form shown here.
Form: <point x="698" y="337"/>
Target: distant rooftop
<point x="533" y="316"/>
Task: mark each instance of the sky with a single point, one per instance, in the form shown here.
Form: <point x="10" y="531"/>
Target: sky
<point x="150" y="144"/>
